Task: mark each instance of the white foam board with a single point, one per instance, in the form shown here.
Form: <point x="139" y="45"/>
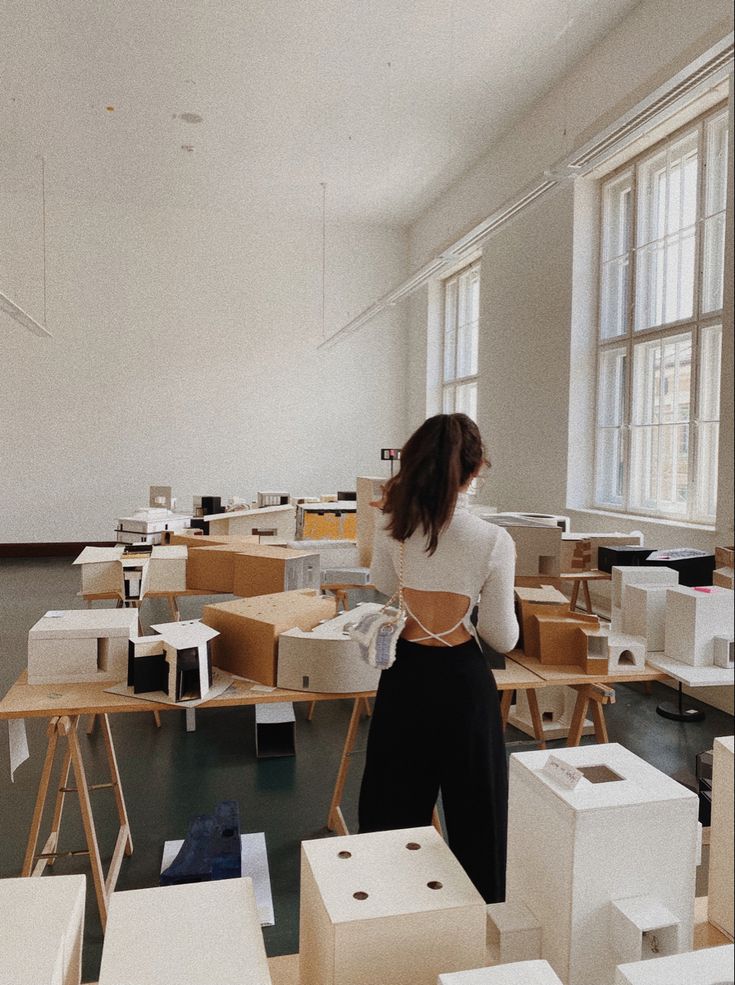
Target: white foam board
<point x="518" y="973"/>
<point x="709" y="966"/>
<point x="694" y="617"/>
<point x="692" y="676"/>
<point x="721" y="860"/>
<point x="624" y="575"/>
<point x="645" y="613"/>
<point x="254" y="863"/>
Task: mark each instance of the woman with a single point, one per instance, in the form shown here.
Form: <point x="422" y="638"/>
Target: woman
<point x="436" y="725"/>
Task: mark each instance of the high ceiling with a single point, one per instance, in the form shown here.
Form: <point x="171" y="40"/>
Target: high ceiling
<point x="385" y="101"/>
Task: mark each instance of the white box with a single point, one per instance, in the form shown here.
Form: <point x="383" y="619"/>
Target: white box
<point x="325" y="658"/>
<point x="724" y="652"/>
<point x="625" y="653"/>
<point x="101" y="569"/>
<point x="556" y="706"/>
<point x="645" y="613"/>
<point x="694" y="616"/>
<point x="709" y="966"/>
<point x="185" y="935"/>
<point x="574" y="853"/>
<point x="721" y="838"/>
<point x="513" y="933"/>
<point x="167" y="569"/>
<point x="624" y="575"/>
<point x="525" y="973"/>
<point x="389" y="907"/>
<point x="81" y="645"/>
<point x="41" y="930"/>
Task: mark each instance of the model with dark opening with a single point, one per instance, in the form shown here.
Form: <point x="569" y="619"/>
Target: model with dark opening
<point x="436" y="725"/>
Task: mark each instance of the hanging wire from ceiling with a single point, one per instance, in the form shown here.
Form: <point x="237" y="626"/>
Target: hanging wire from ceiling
<point x="324" y="259"/>
<point x="43" y="209"/>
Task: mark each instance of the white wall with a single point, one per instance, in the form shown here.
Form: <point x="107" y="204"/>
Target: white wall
<point x="534" y="320"/>
<point x="184" y="353"/>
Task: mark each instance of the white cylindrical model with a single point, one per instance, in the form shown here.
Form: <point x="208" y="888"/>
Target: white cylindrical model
<point x="325" y="659"/>
<point x="607" y="866"/>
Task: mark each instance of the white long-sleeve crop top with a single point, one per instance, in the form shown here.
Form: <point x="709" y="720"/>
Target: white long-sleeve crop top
<point x="473" y="558"/>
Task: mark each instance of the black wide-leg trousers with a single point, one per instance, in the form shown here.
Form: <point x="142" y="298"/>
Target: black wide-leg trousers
<point x="437" y="726"/>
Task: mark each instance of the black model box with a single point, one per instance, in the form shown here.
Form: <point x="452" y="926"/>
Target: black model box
<point x="626" y="555"/>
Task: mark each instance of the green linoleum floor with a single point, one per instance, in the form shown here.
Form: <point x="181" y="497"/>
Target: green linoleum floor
<point x="169" y="775"/>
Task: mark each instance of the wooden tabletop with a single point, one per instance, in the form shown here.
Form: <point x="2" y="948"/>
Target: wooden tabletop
<point x="573" y="674"/>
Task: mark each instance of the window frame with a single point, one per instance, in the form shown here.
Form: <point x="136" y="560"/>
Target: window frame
<point x="695" y="325"/>
<point x="451" y="384"/>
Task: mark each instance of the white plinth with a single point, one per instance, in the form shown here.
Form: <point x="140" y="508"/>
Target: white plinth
<point x="389" y="907"/>
<point x="624" y="575"/>
<point x="645" y="613"/>
<point x="573" y="853"/>
<point x="721" y="860"/>
<point x="710" y="966"/>
<point x="524" y="973"/>
<point x="694" y="617"/>
<point x="196" y="934"/>
<point x="692" y="676"/>
<point x="41" y="930"/>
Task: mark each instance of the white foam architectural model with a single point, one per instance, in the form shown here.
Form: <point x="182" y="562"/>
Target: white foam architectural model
<point x="177" y="660"/>
<point x="694" y="617"/>
<point x="150" y="525"/>
<point x="556" y="706"/>
<point x="271" y="498"/>
<point x="724" y="652"/>
<point x="391" y="906"/>
<point x="625" y="575"/>
<point x="523" y="973"/>
<point x="80" y="645"/>
<point x="277" y="522"/>
<point x="185" y="935"/>
<point x="538" y="544"/>
<point x="721" y="860"/>
<point x="603" y="853"/>
<point x="339" y="560"/>
<point x="110" y="571"/>
<point x="624" y="652"/>
<point x="709" y="966"/>
<point x="644" y="614"/>
<point x="326" y="658"/>
<point x="41" y="930"/>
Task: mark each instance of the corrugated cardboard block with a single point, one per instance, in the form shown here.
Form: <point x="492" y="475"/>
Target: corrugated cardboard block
<point x="80" y="645"/>
<point x="41" y="930"/>
<point x="513" y="933"/>
<point x="721" y="860"/>
<point x="561" y="640"/>
<point x="645" y="613"/>
<point x="369" y="490"/>
<point x="544" y="600"/>
<point x="635" y="575"/>
<point x="185" y="935"/>
<point x="694" y="617"/>
<point x="325" y="658"/>
<point x="625" y="830"/>
<point x="264" y="570"/>
<point x="390" y="907"/>
<point x="710" y="966"/>
<point x="249" y="629"/>
<point x="525" y="973"/>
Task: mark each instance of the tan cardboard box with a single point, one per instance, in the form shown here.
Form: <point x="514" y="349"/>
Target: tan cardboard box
<point x="249" y="629"/>
<point x="212" y="569"/>
<point x="543" y="601"/>
<point x="265" y="570"/>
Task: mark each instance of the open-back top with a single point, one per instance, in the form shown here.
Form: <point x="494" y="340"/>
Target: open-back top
<point x="473" y="558"/>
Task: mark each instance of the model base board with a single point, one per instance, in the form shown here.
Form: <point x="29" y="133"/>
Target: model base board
<point x="710" y="966"/>
<point x="523" y="973"/>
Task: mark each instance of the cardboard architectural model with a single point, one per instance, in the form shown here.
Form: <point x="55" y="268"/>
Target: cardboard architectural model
<point x="570" y="547"/>
<point x="392" y="906"/>
<point x="150" y="526"/>
<point x="553" y="634"/>
<point x="523" y="973"/>
<point x="369" y="490"/>
<point x="709" y="966"/>
<point x="132" y="573"/>
<point x="264" y="499"/>
<point x="251" y="569"/>
<point x="721" y="838"/>
<point x="339" y="561"/>
<point x="41" y="930"/>
<point x="177" y="660"/>
<point x="538" y="545"/>
<point x="724" y="561"/>
<point x="165" y="936"/>
<point x="80" y="645"/>
<point x="327" y="521"/>
<point x="249" y="629"/>
<point x="277" y="521"/>
<point x="605" y="861"/>
<point x="325" y="658"/>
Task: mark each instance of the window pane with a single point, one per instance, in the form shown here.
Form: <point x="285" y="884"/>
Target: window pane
<point x="467" y="333"/>
<point x="716" y="163"/>
<point x="643" y="467"/>
<point x="448" y="400"/>
<point x="467" y="400"/>
<point x="614" y="298"/>
<point x="708" y="439"/>
<point x="609" y="471"/>
<point x="709" y="372"/>
<point x="450" y="330"/>
<point x="611" y="388"/>
<point x="616" y="217"/>
<point x="673" y="480"/>
<point x="713" y="267"/>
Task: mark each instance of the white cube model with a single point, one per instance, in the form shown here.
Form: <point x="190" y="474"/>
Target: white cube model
<point x="709" y="966"/>
<point x="194" y="934"/>
<point x="167" y="569"/>
<point x="624" y="575"/>
<point x="724" y="652"/>
<point x="694" y="617"/>
<point x="645" y="613"/>
<point x="80" y="645"/>
<point x="325" y="658"/>
<point x="391" y="907"/>
<point x="721" y="838"/>
<point x="579" y="858"/>
<point x="101" y="569"/>
<point x="41" y="930"/>
<point x="523" y="973"/>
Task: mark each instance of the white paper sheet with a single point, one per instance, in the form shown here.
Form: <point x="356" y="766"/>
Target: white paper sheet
<point x="254" y="860"/>
<point x="220" y="682"/>
<point x="18" y="744"/>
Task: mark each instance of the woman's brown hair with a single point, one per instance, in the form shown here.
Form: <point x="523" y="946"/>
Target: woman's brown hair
<point x="437" y="460"/>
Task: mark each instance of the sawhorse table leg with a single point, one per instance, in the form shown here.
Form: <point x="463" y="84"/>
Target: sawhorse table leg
<point x="598" y="695"/>
<point x="335" y="820"/>
<point x="64" y="727"/>
<point x="506" y="700"/>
